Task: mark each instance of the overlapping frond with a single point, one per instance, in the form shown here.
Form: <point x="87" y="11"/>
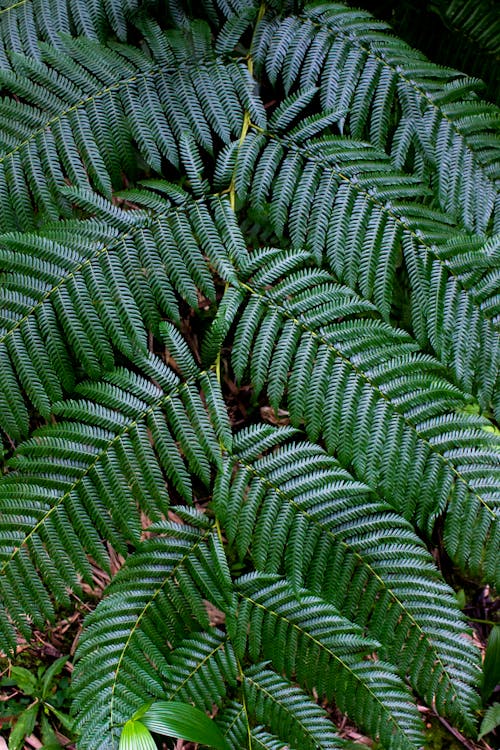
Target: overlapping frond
<point x="427" y="117"/>
<point x="85" y="113"/>
<point x="474" y="39"/>
<point x="345" y="203"/>
<point x="461" y="34"/>
<point x="201" y="668"/>
<point x="304" y="636"/>
<point x="218" y="12"/>
<point x="80" y="292"/>
<point x="286" y="709"/>
<point x="296" y="511"/>
<point x="158" y="597"/>
<point x="155" y="599"/>
<point x="293" y="710"/>
<point x="124" y="447"/>
<point x="385" y="410"/>
<point x="265" y="571"/>
<point x="26" y="23"/>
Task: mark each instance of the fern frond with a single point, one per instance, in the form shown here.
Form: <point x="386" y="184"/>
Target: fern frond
<point x="80" y="291"/>
<point x="289" y="710"/>
<point x="26" y="23"/>
<point x="346" y="204"/>
<point x="286" y="709"/>
<point x="423" y="115"/>
<point x="273" y="576"/>
<point x="153" y="600"/>
<point x="80" y="114"/>
<point x="305" y="637"/>
<point x="155" y="592"/>
<point x="235" y="725"/>
<point x="85" y="479"/>
<point x="217" y="12"/>
<point x="473" y="41"/>
<point x="384" y="409"/>
<point x="201" y="668"/>
<point x="296" y="511"/>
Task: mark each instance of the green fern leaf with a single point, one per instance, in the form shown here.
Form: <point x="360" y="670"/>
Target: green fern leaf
<point x="389" y="395"/>
<point x="24" y="24"/>
<point x="156" y="586"/>
<point x="81" y="291"/>
<point x="289" y="713"/>
<point x="305" y="637"/>
<point x="78" y="481"/>
<point x="272" y="578"/>
<point x="343" y="201"/>
<point x="329" y="534"/>
<point x="394" y="97"/>
<point x="83" y="108"/>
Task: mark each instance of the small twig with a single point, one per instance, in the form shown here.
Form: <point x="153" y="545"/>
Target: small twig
<point x="33" y="742"/>
<point x="463" y="741"/>
<point x="10" y="441"/>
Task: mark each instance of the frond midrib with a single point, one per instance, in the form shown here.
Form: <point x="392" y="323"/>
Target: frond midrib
<point x="206" y="658"/>
<point x="272" y="698"/>
<point x="149" y="220"/>
<point x="143" y="612"/>
<point x="411" y="228"/>
<point x="272" y="304"/>
<point x="412" y="83"/>
<point x="383" y="585"/>
<point x="16" y="4"/>
<point x="154" y="71"/>
<point x="100" y="456"/>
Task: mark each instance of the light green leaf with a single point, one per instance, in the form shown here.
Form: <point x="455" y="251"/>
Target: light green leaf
<point x="24" y="726"/>
<point x="461" y="598"/>
<point x="135" y="736"/>
<point x="24" y="679"/>
<point x="186" y="722"/>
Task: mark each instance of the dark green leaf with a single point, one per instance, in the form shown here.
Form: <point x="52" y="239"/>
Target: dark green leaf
<point x="490" y="721"/>
<point x="491" y="665"/>
<point x="24" y="679"/>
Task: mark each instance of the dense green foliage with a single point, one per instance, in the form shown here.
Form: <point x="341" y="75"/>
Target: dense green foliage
<point x="202" y="199"/>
